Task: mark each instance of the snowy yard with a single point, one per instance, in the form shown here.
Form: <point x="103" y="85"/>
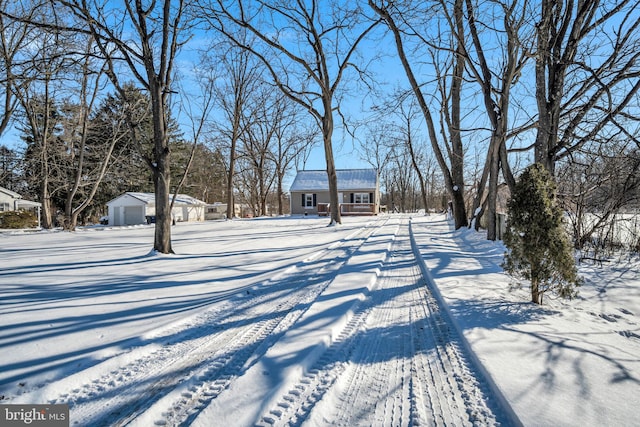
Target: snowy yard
<point x="286" y="321"/>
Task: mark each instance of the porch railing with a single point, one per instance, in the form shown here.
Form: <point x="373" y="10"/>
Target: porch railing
<point x="324" y="209"/>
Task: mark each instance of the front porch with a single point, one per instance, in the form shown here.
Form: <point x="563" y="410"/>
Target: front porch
<point x="324" y="209"/>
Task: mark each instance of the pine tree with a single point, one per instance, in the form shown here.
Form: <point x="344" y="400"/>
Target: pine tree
<point x="537" y="242"/>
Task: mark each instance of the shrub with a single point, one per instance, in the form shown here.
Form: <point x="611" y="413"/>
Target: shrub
<point x="538" y="245"/>
<point x="18" y="219"/>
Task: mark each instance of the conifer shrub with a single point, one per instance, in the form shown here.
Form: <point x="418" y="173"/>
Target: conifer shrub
<point x="538" y="246"/>
<point x="18" y="219"/>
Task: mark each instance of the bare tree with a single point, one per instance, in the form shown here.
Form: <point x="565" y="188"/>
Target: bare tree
<point x="402" y="180"/>
<point x="599" y="184"/>
<point x="450" y="92"/>
<point x="310" y="71"/>
<point x="43" y="64"/>
<point x="86" y="176"/>
<point x="141" y="42"/>
<point x="273" y="139"/>
<point x="291" y="138"/>
<point x="377" y="148"/>
<point x="306" y="149"/>
<point x="496" y="80"/>
<point x="198" y="108"/>
<point x="257" y="143"/>
<point x="15" y="36"/>
<point x="407" y="113"/>
<point x="400" y="140"/>
<point x="239" y="76"/>
<point x="587" y="74"/>
<point x="452" y="171"/>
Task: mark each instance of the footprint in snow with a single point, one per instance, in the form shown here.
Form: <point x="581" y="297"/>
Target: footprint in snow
<point x="625" y="311"/>
<point x="610" y="317"/>
<point x="629" y="334"/>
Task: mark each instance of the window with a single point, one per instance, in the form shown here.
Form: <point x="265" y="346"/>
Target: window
<point x="4" y="207"/>
<point x="361" y="198"/>
<point x="309" y="200"/>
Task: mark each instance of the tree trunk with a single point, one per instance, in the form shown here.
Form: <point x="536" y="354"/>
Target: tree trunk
<point x="424" y="107"/>
<point x="161" y="171"/>
<point x="45" y="194"/>
<point x="542" y="146"/>
<point x="457" y="148"/>
<point x="492" y="196"/>
<point x="230" y="175"/>
<point x="280" y="194"/>
<point x="480" y="191"/>
<point x="459" y="209"/>
<point x="327" y="132"/>
<point x="416" y="167"/>
<point x="70" y="220"/>
<point x="536" y="294"/>
<point x="47" y="216"/>
<point x="162" y="237"/>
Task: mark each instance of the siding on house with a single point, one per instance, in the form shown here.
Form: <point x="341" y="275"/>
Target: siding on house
<point x="12" y="201"/>
<point x="7" y="200"/>
<point x="133" y="208"/>
<point x="311" y="189"/>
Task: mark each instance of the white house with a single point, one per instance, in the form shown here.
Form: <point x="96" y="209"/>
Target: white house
<point x="140" y="208"/>
<point x="12" y="201"/>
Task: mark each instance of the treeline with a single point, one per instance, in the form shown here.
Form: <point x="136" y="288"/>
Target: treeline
<point x="76" y="164"/>
<point x="487" y="88"/>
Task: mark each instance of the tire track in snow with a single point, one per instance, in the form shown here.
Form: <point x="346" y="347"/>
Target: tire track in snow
<point x="397" y="362"/>
<point x="184" y="410"/>
<point x="193" y="363"/>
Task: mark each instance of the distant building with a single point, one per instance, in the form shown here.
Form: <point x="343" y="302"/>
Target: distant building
<point x="12" y="201"/>
<point x="140" y="208"/>
<point x="218" y="210"/>
<point x="358" y="192"/>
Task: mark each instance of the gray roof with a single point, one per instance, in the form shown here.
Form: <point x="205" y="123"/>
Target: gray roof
<point x="348" y="179"/>
<point x="150" y="199"/>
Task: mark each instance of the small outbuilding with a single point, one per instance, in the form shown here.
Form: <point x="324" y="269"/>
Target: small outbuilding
<point x="140" y="208"/>
<point x="358" y="192"/>
<point x="218" y="210"/>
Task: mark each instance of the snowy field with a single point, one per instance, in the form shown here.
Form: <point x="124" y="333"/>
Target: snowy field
<point x="380" y="321"/>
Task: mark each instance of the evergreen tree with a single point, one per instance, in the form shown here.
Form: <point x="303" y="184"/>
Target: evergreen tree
<point x="537" y="242"/>
<point x="129" y="171"/>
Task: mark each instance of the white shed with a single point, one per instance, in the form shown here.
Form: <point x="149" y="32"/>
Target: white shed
<point x="139" y="208"/>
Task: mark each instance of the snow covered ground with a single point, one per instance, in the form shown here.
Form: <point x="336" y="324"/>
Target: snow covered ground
<point x="285" y="321"/>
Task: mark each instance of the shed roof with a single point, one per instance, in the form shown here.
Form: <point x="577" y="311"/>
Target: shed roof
<point x="150" y="199"/>
<point x="348" y="179"/>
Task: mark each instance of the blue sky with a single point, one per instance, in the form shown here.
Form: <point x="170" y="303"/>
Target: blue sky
<point x="387" y="70"/>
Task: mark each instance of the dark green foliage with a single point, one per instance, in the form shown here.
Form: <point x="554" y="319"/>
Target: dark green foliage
<point x="18" y="219"/>
<point x="538" y="246"/>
